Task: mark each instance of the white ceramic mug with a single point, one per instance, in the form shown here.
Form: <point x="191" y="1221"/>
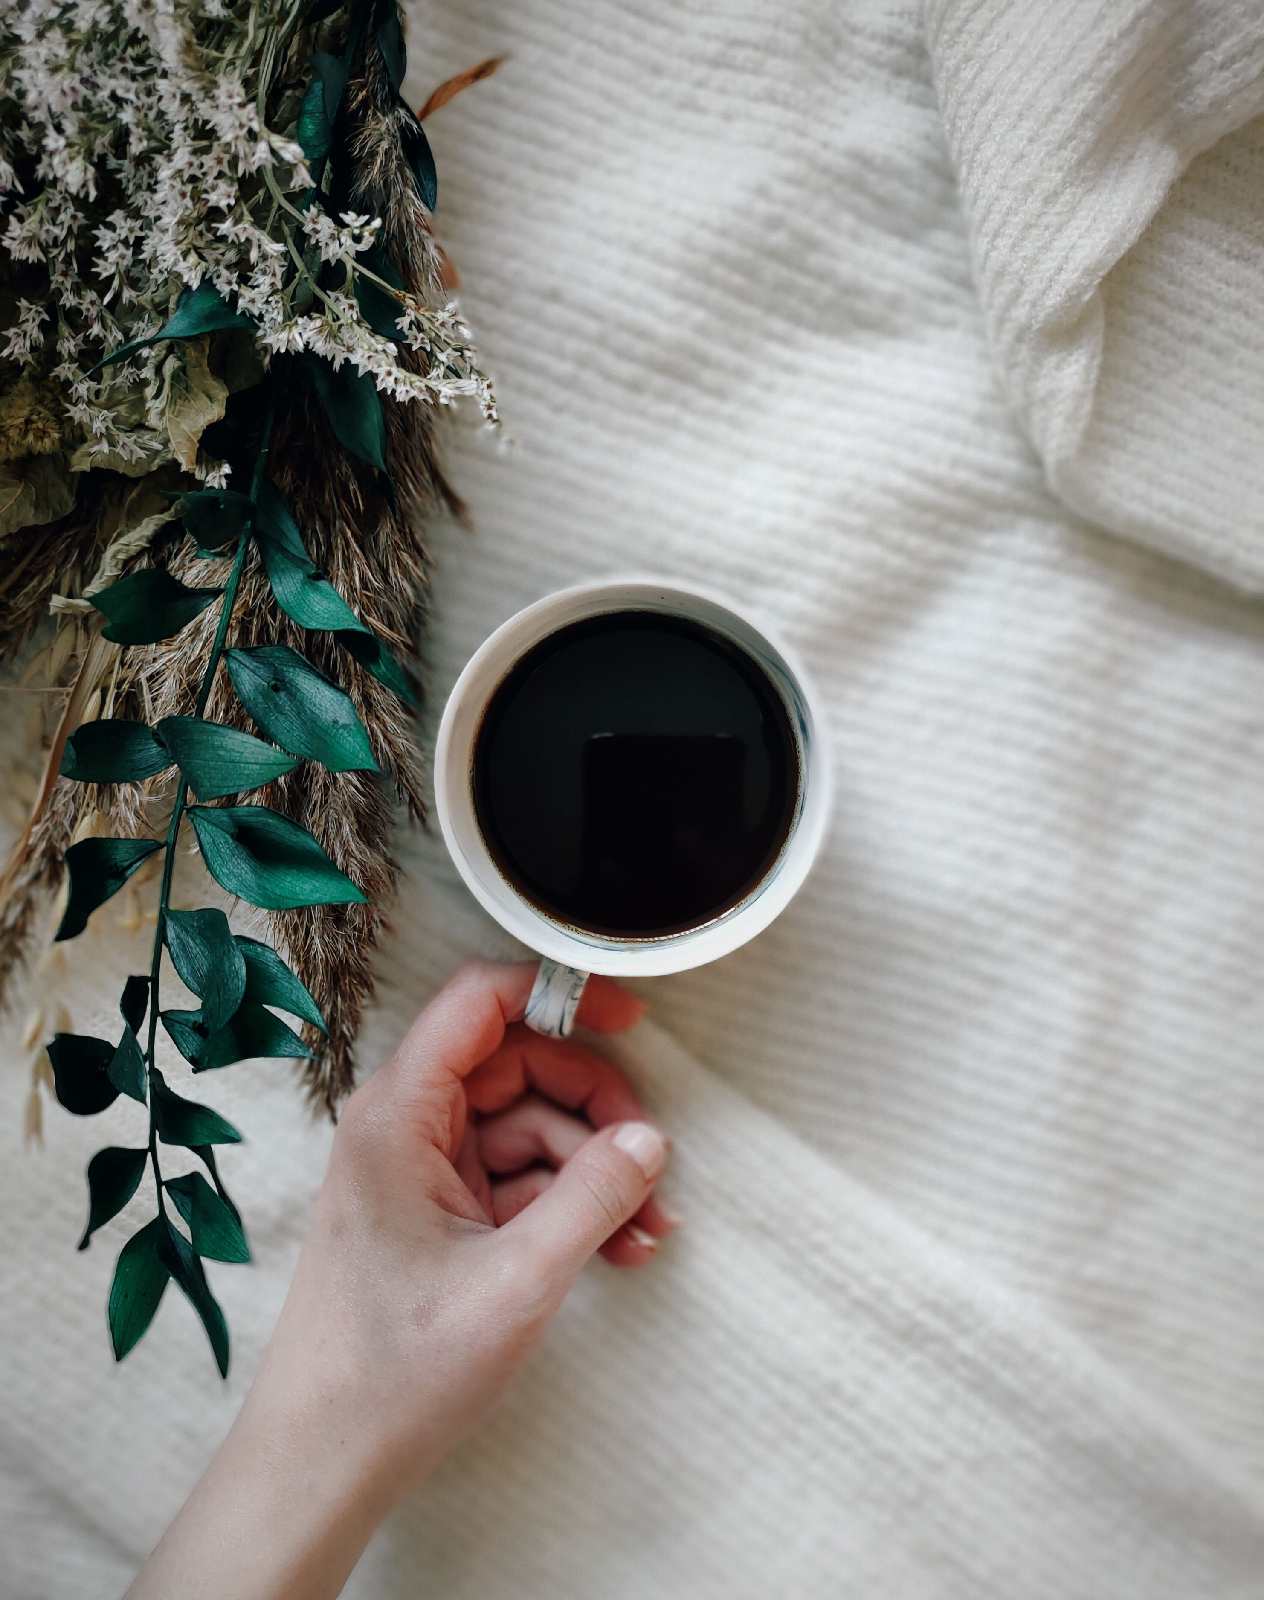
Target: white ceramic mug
<point x="570" y="953"/>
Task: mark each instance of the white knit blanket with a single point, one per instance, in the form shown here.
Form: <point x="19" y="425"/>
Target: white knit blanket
<point x="842" y="310"/>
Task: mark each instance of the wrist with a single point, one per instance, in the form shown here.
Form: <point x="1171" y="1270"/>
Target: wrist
<point x="315" y="1417"/>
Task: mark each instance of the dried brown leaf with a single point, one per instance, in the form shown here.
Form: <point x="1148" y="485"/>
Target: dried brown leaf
<point x="195" y="399"/>
<point x="96" y="662"/>
<point x="33" y="491"/>
<point x="452" y="87"/>
<point x="448" y="275"/>
<point x="33" y="1121"/>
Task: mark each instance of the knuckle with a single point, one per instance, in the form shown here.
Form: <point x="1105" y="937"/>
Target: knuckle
<point x="609" y="1194"/>
<point x="475" y="988"/>
<point x="475" y="975"/>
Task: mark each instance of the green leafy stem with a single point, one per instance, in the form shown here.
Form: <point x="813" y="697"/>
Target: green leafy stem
<point x="253" y="852"/>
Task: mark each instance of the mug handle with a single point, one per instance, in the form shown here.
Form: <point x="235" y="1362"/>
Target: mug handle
<point x="555" y="997"/>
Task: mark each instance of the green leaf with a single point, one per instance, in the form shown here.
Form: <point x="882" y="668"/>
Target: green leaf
<point x="312" y="129"/>
<point x="257" y="1033"/>
<point x="214" y="1225"/>
<point x="185" y="1122"/>
<point x="216" y="760"/>
<point x="176" y="1254"/>
<point x="113" y="751"/>
<point x="205" y="1153"/>
<point x="188" y="1033"/>
<point x="200" y="310"/>
<point x="298" y="707"/>
<point x="150" y="605"/>
<point x="333" y="78"/>
<point x="268" y="860"/>
<point x="319" y="10"/>
<point x="127" y="1066"/>
<point x="390" y="41"/>
<point x="114" y="1175"/>
<point x="378" y="308"/>
<point x="351" y="403"/>
<point x="99" y="868"/>
<point x="252" y="1031"/>
<point x="135" y="1001"/>
<point x="376" y="659"/>
<point x="205" y="954"/>
<point x="215" y="518"/>
<point x="420" y="158"/>
<point x="270" y="981"/>
<point x="377" y="259"/>
<point x="273" y="521"/>
<point x="302" y="593"/>
<point x="81" y="1073"/>
<point x="139" y="1280"/>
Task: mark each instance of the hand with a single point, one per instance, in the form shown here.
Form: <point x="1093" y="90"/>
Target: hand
<point x="469" y="1181"/>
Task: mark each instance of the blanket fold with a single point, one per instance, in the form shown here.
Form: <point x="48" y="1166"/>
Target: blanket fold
<point x="1113" y="179"/>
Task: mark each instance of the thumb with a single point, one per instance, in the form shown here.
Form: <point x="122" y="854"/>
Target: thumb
<point x="602" y="1186"/>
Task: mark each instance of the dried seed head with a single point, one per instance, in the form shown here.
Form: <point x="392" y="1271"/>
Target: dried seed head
<point x="90" y="824"/>
<point x="57" y="910"/>
<point x="33" y="1127"/>
<point x="42" y="1072"/>
<point x="148" y="869"/>
<point x="128" y="918"/>
<point x="33" y="1032"/>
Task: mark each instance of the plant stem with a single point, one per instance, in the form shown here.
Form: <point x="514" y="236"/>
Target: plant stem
<point x="182" y="789"/>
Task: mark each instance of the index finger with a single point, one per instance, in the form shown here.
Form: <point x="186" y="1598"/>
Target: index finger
<point x="466" y="1020"/>
<point x="562" y="1071"/>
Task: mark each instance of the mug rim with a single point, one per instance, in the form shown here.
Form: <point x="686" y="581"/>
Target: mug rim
<point x="462" y="715"/>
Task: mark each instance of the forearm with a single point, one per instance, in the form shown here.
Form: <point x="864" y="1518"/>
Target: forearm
<point x="282" y="1513"/>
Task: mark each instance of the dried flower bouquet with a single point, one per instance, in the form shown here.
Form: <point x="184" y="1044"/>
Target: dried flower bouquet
<point x="224" y="332"/>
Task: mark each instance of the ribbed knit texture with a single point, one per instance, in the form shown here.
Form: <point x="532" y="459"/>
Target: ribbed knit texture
<point x="1118" y="253"/>
<point x="970" y="1142"/>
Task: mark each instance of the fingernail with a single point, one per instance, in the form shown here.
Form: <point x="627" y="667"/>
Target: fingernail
<point x="670" y="1215"/>
<point x="647" y="1241"/>
<point x="644" y="1144"/>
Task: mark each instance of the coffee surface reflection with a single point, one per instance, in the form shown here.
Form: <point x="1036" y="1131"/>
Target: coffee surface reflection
<point x="635" y="775"/>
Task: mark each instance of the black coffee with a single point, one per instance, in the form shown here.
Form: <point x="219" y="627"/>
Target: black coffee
<point x="635" y="774"/>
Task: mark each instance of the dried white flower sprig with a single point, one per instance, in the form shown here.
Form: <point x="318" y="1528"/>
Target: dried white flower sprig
<point x="145" y="125"/>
